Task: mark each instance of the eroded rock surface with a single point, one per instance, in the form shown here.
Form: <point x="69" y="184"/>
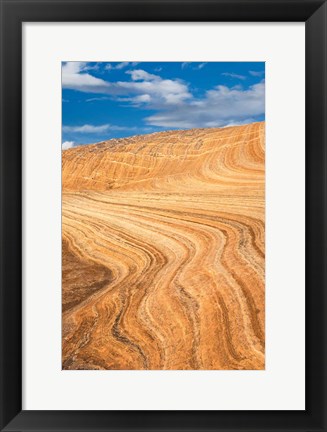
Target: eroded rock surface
<point x="163" y="251"/>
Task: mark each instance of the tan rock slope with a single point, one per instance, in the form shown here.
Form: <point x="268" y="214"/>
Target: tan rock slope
<point x="163" y="251"/>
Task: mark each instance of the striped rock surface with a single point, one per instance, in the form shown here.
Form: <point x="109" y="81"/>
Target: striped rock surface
<point x="163" y="251"/>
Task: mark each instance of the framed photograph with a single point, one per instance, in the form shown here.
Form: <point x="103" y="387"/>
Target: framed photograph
<point x="163" y="215"/>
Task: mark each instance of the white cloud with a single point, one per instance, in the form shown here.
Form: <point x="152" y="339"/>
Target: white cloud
<point x="75" y="77"/>
<point x="97" y="99"/>
<point x="257" y="73"/>
<point x="121" y="65"/>
<point x="157" y="90"/>
<point x="142" y="75"/>
<point x="197" y="66"/>
<point x="67" y="145"/>
<point x="234" y="75"/>
<point x="91" y="129"/>
<point x="154" y="89"/>
<point x="122" y="128"/>
<point x="86" y="128"/>
<point x="239" y="123"/>
<point x="220" y="106"/>
<point x="89" y="66"/>
<point x="143" y="98"/>
<point x="176" y="106"/>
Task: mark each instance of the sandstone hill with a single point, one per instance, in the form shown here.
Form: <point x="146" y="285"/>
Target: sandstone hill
<point x="163" y="251"/>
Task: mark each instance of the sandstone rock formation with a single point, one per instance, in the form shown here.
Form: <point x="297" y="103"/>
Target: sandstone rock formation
<point x="163" y="251"/>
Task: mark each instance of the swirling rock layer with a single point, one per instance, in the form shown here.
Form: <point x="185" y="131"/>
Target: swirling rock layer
<point x="163" y="251"/>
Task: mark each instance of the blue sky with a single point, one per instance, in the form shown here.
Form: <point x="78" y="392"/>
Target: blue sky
<point x="108" y="100"/>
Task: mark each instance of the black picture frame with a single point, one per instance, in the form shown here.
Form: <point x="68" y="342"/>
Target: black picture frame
<point x="13" y="14"/>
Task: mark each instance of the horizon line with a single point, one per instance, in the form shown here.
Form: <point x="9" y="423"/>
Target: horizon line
<point x="160" y="132"/>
